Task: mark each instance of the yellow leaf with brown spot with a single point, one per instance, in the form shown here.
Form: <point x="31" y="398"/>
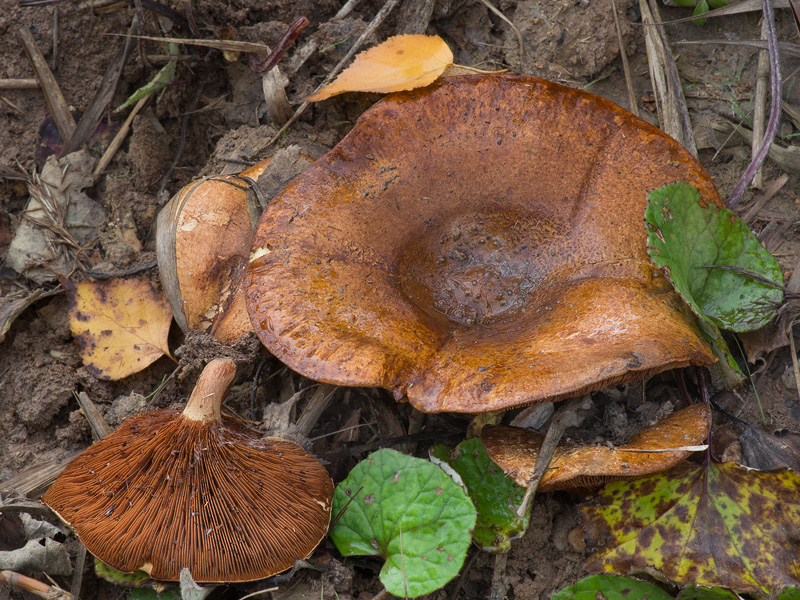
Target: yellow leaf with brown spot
<point x="402" y="62"/>
<point x="120" y="325"/>
<point x="714" y="525"/>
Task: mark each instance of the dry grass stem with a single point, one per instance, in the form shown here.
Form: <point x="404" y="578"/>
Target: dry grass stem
<point x="508" y="22"/>
<point x="116" y="143"/>
<point x="96" y="421"/>
<point x="760" y="104"/>
<point x="632" y="104"/>
<point x="19" y="84"/>
<point x="52" y="92"/>
<point x="670" y="101"/>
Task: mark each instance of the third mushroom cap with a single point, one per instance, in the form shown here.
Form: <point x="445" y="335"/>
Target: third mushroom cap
<point x="477" y="245"/>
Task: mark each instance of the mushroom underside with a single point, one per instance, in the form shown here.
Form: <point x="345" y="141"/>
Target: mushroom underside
<point x="164" y="492"/>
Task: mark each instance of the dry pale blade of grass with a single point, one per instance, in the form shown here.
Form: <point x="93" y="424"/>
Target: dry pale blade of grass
<point x="673" y="116"/>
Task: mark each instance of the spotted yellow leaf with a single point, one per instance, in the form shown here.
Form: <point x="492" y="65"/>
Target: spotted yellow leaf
<point x="711" y="525"/>
<point x="402" y="62"/>
<point x="120" y="325"/>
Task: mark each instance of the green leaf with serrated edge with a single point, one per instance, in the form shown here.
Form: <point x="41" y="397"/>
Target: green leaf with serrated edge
<point x="612" y="587"/>
<point x="698" y="592"/>
<point x="495" y="495"/>
<point x="408" y="511"/>
<point x="716" y="525"/>
<point x="708" y="253"/>
<point x="789" y="593"/>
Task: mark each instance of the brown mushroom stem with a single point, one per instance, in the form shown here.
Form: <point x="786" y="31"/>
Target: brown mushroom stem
<point x="205" y="403"/>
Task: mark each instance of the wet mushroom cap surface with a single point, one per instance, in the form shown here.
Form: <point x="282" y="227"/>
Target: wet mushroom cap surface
<point x="164" y="492"/>
<point x="476" y="245"/>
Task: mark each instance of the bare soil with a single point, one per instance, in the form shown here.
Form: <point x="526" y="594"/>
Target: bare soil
<point x="214" y="113"/>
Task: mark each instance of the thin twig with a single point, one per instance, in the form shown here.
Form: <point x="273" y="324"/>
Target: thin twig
<point x="795" y="365"/>
<point x="19" y="84"/>
<point x="77" y="576"/>
<point x="373" y="25"/>
<point x="774" y="109"/>
<point x="93" y="114"/>
<point x="96" y="421"/>
<point x="54" y="57"/>
<point x="760" y="104"/>
<point x="676" y="111"/>
<point x="35" y="587"/>
<point x="52" y="93"/>
<point x="264" y="65"/>
<point x="566" y="416"/>
<point x="116" y="143"/>
<point x="491" y="7"/>
<point x="632" y="104"/>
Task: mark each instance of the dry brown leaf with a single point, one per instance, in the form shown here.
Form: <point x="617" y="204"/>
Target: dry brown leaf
<point x="402" y="62"/>
<point x="120" y="325"/>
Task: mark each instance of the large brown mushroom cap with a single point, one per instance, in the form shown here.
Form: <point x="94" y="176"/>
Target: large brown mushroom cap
<point x="169" y="490"/>
<point x="476" y="245"/>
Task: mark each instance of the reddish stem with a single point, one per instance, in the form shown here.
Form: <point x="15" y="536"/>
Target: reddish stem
<point x="263" y="66"/>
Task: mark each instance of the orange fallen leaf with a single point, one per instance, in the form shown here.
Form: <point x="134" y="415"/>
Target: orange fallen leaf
<point x="120" y="325"/>
<point x="402" y="62"/>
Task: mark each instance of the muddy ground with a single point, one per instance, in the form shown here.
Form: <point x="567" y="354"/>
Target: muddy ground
<point x="213" y="116"/>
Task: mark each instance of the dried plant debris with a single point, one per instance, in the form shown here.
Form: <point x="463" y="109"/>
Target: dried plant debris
<point x="35" y="550"/>
<point x="60" y="222"/>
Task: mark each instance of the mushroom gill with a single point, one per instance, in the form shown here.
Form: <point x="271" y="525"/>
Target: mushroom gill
<point x="169" y="490"/>
<point x="476" y="245"/>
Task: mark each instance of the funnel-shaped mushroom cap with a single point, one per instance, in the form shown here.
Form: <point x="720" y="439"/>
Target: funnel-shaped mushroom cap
<point x="652" y="450"/>
<point x="476" y="245"/>
<point x="169" y="490"/>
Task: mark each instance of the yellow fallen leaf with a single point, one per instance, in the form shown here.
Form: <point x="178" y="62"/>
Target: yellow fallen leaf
<point x="120" y="325"/>
<point x="402" y="62"/>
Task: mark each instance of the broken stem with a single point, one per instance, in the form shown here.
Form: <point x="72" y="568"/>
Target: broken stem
<point x="566" y="416"/>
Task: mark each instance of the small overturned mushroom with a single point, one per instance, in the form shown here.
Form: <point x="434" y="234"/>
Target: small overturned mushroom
<point x="654" y="449"/>
<point x="477" y="245"/>
<point x="169" y="490"/>
<point x="203" y="241"/>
